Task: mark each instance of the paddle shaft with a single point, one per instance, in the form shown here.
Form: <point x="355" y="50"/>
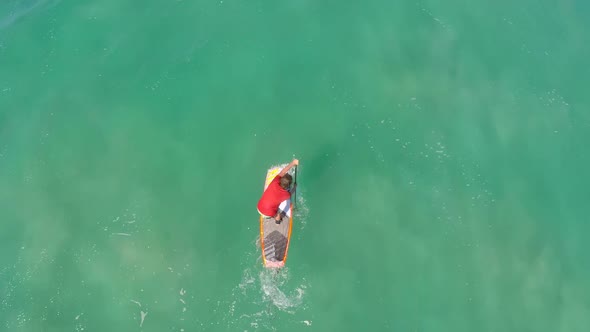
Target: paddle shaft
<point x="295" y="187"/>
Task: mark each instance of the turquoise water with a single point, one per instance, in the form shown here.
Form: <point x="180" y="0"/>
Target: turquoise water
<point x="443" y="177"/>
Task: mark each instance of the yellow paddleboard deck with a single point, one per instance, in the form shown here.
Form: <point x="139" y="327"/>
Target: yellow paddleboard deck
<point x="275" y="238"/>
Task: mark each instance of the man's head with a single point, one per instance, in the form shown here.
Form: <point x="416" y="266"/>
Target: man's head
<point x="286" y="181"/>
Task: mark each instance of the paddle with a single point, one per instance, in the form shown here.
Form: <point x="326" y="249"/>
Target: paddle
<point x="295" y="187"/>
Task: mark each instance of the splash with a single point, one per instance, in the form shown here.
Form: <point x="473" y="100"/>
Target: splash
<point x="271" y="282"/>
<point x="263" y="295"/>
<point x="300" y="212"/>
<point x="143" y="315"/>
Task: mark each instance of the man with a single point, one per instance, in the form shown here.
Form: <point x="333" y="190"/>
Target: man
<point x="276" y="192"/>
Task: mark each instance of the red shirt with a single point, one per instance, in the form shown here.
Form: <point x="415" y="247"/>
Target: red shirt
<point x="272" y="197"/>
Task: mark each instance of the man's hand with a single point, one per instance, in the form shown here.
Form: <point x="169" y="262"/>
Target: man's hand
<point x="286" y="169"/>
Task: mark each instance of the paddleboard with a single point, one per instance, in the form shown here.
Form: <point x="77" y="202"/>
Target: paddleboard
<point x="275" y="238"/>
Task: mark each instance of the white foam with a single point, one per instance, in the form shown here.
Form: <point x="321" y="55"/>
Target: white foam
<point x="143" y="315"/>
<point x="271" y="283"/>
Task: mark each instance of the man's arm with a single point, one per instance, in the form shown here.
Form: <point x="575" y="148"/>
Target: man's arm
<point x="288" y="167"/>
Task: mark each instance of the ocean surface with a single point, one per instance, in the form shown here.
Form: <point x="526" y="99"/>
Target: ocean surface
<point x="444" y="183"/>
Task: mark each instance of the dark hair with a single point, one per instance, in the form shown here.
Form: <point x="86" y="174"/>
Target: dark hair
<point x="286" y="181"/>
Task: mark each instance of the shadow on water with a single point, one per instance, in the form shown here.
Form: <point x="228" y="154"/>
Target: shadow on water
<point x="13" y="11"/>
